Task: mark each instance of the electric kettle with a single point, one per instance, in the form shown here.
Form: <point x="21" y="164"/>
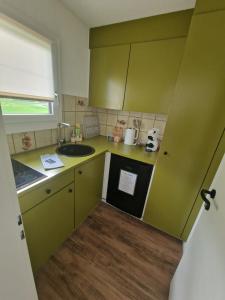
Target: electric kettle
<point x="131" y="136"/>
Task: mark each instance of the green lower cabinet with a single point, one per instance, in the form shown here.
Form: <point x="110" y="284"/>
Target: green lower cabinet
<point x="88" y="187"/>
<point x="152" y="73"/>
<point x="48" y="224"/>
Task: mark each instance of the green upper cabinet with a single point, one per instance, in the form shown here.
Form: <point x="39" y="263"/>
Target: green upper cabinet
<point x="152" y="74"/>
<point x="208" y="5"/>
<point x="88" y="187"/>
<point x="108" y="71"/>
<point x="194" y="127"/>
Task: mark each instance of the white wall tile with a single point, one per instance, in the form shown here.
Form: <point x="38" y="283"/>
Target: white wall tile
<point x="101" y="110"/>
<point x="109" y="130"/>
<point x="160" y="125"/>
<point x="102" y="118"/>
<point x="148" y="116"/>
<point x="113" y="111"/>
<point x="135" y="114"/>
<point x="125" y="119"/>
<point x="54" y="135"/>
<point x="79" y="117"/>
<point x="70" y="117"/>
<point x="143" y="136"/>
<point x="11" y="144"/>
<point x="147" y="124"/>
<point x="43" y="138"/>
<point x="123" y="113"/>
<point x="112" y="119"/>
<point x="82" y="104"/>
<point x="67" y="133"/>
<point x="103" y="130"/>
<point x="24" y="141"/>
<point x="131" y="121"/>
<point x="69" y="103"/>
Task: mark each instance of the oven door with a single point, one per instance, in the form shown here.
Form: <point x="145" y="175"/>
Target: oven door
<point x="128" y="184"/>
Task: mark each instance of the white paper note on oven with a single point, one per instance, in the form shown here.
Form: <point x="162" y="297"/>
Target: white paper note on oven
<point x="127" y="182"/>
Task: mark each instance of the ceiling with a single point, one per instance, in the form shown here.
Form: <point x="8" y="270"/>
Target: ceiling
<point x="102" y="12"/>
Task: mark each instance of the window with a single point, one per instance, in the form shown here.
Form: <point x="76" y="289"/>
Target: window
<point x="11" y="106"/>
<point x="27" y="89"/>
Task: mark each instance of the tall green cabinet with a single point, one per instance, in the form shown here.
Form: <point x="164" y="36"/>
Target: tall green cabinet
<point x="195" y="125"/>
<point x="108" y="71"/>
<point x="152" y="74"/>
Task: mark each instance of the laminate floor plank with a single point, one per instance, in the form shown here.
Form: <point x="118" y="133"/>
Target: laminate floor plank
<point x="111" y="256"/>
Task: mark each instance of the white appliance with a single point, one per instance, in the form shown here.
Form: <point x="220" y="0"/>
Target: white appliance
<point x="153" y="140"/>
<point x="131" y="136"/>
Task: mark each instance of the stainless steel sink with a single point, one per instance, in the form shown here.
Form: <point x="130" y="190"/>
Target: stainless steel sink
<point x="75" y="150"/>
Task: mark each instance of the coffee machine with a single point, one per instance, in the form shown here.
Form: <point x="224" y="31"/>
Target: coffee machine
<point x="152" y="144"/>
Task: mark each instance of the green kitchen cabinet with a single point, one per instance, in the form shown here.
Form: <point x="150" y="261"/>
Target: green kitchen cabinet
<point x="208" y="5"/>
<point x="48" y="224"/>
<point x="159" y="27"/>
<point x="194" y="127"/>
<point x="88" y="187"/>
<point x="152" y="74"/>
<point x="108" y="71"/>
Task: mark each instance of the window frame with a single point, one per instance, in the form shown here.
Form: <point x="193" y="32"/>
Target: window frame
<point x="25" y="123"/>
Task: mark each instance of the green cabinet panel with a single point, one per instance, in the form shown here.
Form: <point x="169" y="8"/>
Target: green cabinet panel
<point x="108" y="71"/>
<point x="48" y="224"/>
<point x="160" y="27"/>
<point x="88" y="187"/>
<point x="44" y="190"/>
<point x="208" y="5"/>
<point x="152" y="74"/>
<point x="194" y="127"/>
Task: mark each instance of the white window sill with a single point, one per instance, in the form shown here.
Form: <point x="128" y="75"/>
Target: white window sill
<point x="15" y="124"/>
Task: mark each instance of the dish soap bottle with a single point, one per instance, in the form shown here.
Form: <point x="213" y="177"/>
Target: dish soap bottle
<point x="73" y="137"/>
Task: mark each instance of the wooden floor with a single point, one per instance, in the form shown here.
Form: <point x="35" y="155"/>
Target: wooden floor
<point x="111" y="256"/>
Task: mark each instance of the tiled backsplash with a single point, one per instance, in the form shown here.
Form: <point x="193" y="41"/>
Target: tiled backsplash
<point x="108" y="119"/>
<point x="73" y="110"/>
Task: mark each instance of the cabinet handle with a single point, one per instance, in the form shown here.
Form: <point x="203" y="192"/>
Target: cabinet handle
<point x="22" y="235"/>
<point x="165" y="153"/>
<point x="212" y="195"/>
<point x="80" y="172"/>
<point x="19" y="220"/>
<point x="70" y="190"/>
<point x="48" y="191"/>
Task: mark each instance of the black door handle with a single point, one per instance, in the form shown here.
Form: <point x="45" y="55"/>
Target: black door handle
<point x="212" y="195"/>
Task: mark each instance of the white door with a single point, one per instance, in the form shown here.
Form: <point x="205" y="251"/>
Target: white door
<point x="201" y="272"/>
<point x="16" y="278"/>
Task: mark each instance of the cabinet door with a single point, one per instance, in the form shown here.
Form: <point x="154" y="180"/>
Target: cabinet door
<point x="108" y="71"/>
<point x="208" y="5"/>
<point x="194" y="127"/>
<point x="152" y="74"/>
<point x="48" y="224"/>
<point x="88" y="187"/>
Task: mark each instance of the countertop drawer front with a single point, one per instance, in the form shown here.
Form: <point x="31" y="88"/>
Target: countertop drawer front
<point x="45" y="190"/>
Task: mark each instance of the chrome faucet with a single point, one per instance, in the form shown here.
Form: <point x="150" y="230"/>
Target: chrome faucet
<point x="60" y="139"/>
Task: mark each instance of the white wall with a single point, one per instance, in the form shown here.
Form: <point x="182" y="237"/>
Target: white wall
<point x="51" y="18"/>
